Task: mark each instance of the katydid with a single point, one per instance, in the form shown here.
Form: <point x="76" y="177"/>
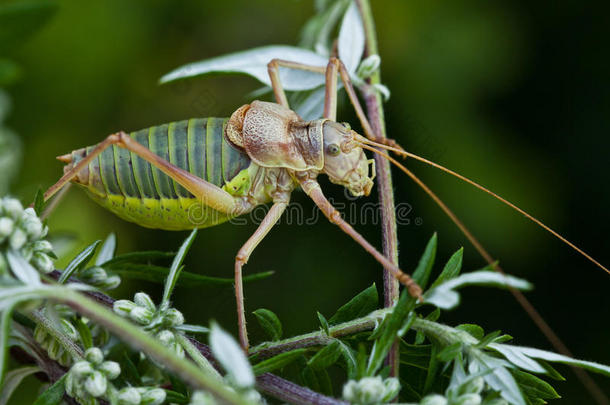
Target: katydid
<point x="201" y="172"/>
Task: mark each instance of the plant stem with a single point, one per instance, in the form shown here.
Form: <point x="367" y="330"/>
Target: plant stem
<point x="374" y="105"/>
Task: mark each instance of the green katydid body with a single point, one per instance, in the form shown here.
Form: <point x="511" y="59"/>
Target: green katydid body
<point x="137" y="192"/>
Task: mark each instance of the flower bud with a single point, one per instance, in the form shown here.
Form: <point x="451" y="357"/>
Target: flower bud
<point x="143" y="300"/>
<point x="43" y="262"/>
<point x="368" y="390"/>
<point x="43" y="246"/>
<point x="129" y="396"/>
<point x="6" y="227"/>
<point x="123" y="307"/>
<point x="33" y="228"/>
<point x="177" y="349"/>
<point x="174" y="317"/>
<point x="111" y="369"/>
<point x="17" y="239"/>
<point x="202" y="398"/>
<point x="94" y="355"/>
<point x="12" y="208"/>
<point x="111" y="282"/>
<point x="96" y="384"/>
<point x="392" y="388"/>
<point x="141" y="315"/>
<point x="166" y="337"/>
<point x="368" y="66"/>
<point x="497" y="401"/>
<point x="433" y="399"/>
<point x="40" y="334"/>
<point x="153" y="396"/>
<point x="81" y="368"/>
<point x="54" y="349"/>
<point x="473" y="386"/>
<point x="469" y="399"/>
<point x="65" y="359"/>
<point x="93" y="275"/>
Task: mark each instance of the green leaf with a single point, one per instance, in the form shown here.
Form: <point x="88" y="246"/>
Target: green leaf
<point x="474" y="330"/>
<point x="424" y="267"/>
<point x="157" y="274"/>
<point x="253" y="62"/>
<point x="277" y="362"/>
<point x="400" y="319"/>
<point x="324" y="324"/>
<point x="176" y="268"/>
<point x="415" y="355"/>
<point x="13" y="379"/>
<point x="79" y="262"/>
<point x="54" y="394"/>
<point x="487" y="339"/>
<point x="444" y="296"/>
<point x="433" y="366"/>
<point x="39" y="202"/>
<point x="362" y="304"/>
<point x="448" y="353"/>
<point x="21" y="19"/>
<point x="138" y="257"/>
<point x="452" y="268"/>
<point x="327" y="356"/>
<point x="129" y="371"/>
<point x="518" y="358"/>
<point x="351" y="362"/>
<point x="107" y="250"/>
<point x="269" y="322"/>
<point x="496" y="376"/>
<point x="84" y="333"/>
<point x="173" y="397"/>
<point x="420" y="337"/>
<point x="351" y="38"/>
<point x="550" y="371"/>
<point x="534" y="387"/>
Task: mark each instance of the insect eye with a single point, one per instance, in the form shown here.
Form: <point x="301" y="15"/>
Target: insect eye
<point x="333" y="149"/>
<point x="346" y="125"/>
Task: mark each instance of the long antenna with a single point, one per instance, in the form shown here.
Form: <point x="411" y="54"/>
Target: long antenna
<point x="491" y="193"/>
<point x="556" y="342"/>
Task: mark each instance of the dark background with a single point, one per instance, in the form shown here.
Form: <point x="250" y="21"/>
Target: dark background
<point x="514" y="94"/>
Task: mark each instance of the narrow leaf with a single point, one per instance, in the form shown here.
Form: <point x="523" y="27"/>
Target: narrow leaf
<point x="277" y="362"/>
<point x="448" y="353"/>
<point x="107" y="250"/>
<point x="22" y="269"/>
<point x="39" y="202"/>
<point x="84" y="333"/>
<point x="79" y="262"/>
<point x="534" y="387"/>
<point x="176" y="268"/>
<point x="173" y="397"/>
<point x="327" y="356"/>
<point x="13" y="379"/>
<point x="139" y="257"/>
<point x="351" y="38"/>
<point x="451" y="269"/>
<point x="231" y="356"/>
<point x="324" y="324"/>
<point x="5" y="331"/>
<point x="253" y="62"/>
<point x="269" y="322"/>
<point x="192" y="328"/>
<point x="54" y="394"/>
<point x="424" y="267"/>
<point x="362" y="304"/>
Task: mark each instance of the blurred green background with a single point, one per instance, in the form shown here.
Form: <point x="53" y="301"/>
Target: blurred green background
<point x="512" y="93"/>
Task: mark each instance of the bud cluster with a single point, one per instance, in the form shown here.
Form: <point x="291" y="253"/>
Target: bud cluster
<point x="202" y="398"/>
<point x="141" y="396"/>
<point x="158" y="321"/>
<point x="371" y="390"/>
<point x="98" y="277"/>
<point x="469" y="393"/>
<point x="22" y="231"/>
<point x="88" y="379"/>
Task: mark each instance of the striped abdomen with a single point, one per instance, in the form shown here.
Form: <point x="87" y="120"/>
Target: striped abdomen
<point x="141" y="193"/>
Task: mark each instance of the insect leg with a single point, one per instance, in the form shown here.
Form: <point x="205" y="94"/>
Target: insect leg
<point x="273" y="215"/>
<point x="313" y="190"/>
<point x="273" y="68"/>
<point x="210" y="194"/>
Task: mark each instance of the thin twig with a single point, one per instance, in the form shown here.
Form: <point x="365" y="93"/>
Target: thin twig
<point x="375" y="114"/>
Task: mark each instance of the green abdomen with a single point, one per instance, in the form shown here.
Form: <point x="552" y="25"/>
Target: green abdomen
<point x="134" y="190"/>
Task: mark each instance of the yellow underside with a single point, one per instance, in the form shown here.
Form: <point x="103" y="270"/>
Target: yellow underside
<point x="169" y="214"/>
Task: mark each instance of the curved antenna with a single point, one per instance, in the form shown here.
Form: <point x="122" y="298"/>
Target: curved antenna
<point x="480" y="187"/>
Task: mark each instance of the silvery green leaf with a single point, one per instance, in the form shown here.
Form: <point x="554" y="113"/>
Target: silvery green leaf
<point x="192" y="328"/>
<point x="496" y="376"/>
<point x="553" y="357"/>
<point x="107" y="250"/>
<point x="5" y="328"/>
<point x="517" y="357"/>
<point x="176" y="268"/>
<point x="79" y="262"/>
<point x="22" y="269"/>
<point x="253" y="62"/>
<point x="351" y="38"/>
<point x="444" y="296"/>
<point x="12" y="380"/>
<point x="309" y="105"/>
<point x="231" y="356"/>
